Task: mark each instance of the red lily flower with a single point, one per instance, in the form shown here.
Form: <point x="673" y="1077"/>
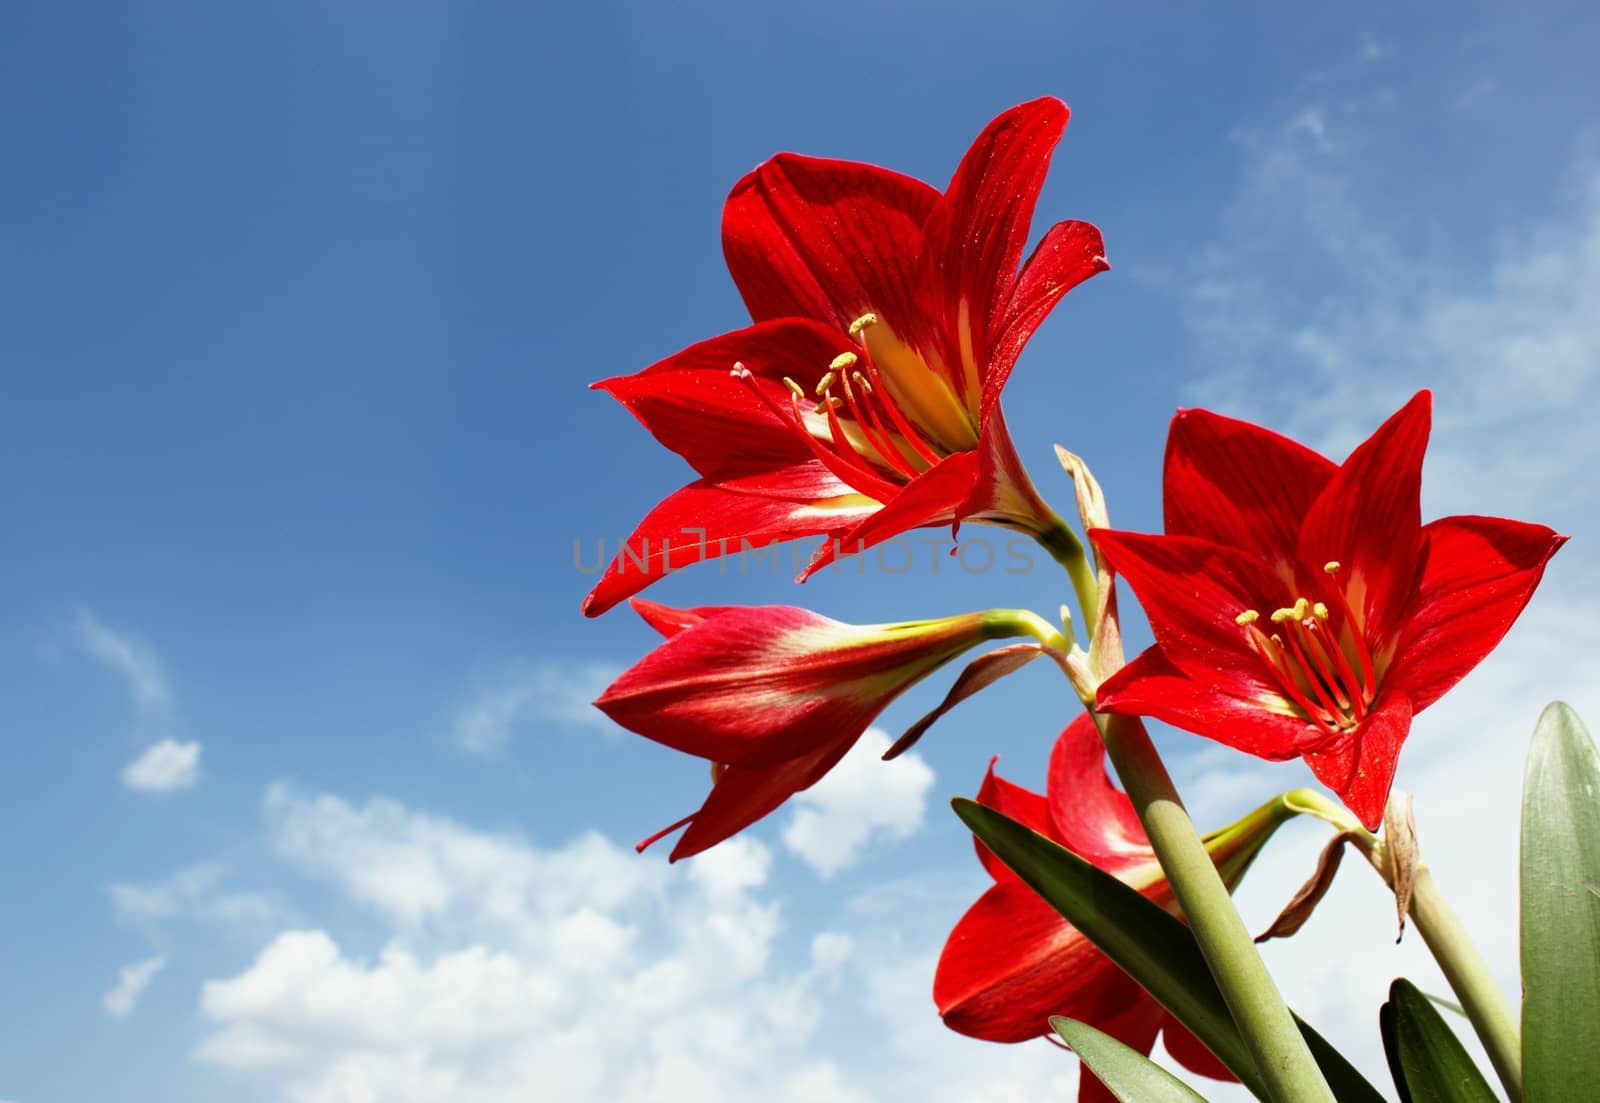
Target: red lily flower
<point x="773" y="696"/>
<point x="1302" y="608"/>
<point x="865" y="399"/>
<point x="1011" y="962"/>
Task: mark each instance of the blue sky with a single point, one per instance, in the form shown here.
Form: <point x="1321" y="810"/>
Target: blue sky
<point x="302" y="304"/>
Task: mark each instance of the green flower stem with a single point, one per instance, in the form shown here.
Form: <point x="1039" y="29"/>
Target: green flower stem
<point x="1282" y="1059"/>
<point x="1066" y="549"/>
<point x="1463" y="966"/>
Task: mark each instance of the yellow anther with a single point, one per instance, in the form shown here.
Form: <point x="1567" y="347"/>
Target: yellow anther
<point x="1301" y="608"/>
<point x="1281" y="615"/>
<point x="1249" y="616"/>
<point x="1320" y="610"/>
<point x="861" y="323"/>
<point x="862" y="381"/>
<point x="799" y="392"/>
<point x="1331" y="566"/>
<point x="843" y="360"/>
<point x="824" y="383"/>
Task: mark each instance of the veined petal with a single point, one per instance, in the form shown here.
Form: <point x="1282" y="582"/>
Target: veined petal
<point x="1192" y="592"/>
<point x="1477" y="576"/>
<point x="1091" y="817"/>
<point x="975" y="677"/>
<point x="1360" y="766"/>
<point x="1011" y="962"/>
<point x="753" y="686"/>
<point x="1002" y="491"/>
<point x="1151" y="685"/>
<point x="1068" y="254"/>
<point x="693" y="405"/>
<point x="1009" y="799"/>
<point x="827" y="240"/>
<point x="704" y="521"/>
<point x="976" y="233"/>
<point x="1369" y="519"/>
<point x="744" y="794"/>
<point x="1240" y="485"/>
<point x="934" y="497"/>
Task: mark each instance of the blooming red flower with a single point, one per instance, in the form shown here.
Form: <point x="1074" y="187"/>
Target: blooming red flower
<point x="865" y="399"/>
<point x="773" y="696"/>
<point x="1012" y="962"/>
<point x="1302" y="608"/>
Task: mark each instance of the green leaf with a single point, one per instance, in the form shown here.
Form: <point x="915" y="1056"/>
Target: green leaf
<point x="1128" y="1074"/>
<point x="1561" y="911"/>
<point x="1428" y="1062"/>
<point x="1154" y="948"/>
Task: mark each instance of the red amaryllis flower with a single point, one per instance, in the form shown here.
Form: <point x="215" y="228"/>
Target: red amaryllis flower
<point x="865" y="399"/>
<point x="1302" y="607"/>
<point x="1012" y="961"/>
<point x="773" y="696"/>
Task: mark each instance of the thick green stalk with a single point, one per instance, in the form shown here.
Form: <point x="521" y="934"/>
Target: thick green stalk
<point x="1282" y="1059"/>
<point x="1066" y="549"/>
<point x="1471" y="980"/>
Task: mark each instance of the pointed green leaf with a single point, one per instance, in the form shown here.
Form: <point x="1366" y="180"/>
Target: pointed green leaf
<point x="1561" y="911"/>
<point x="1428" y="1062"/>
<point x="1154" y="948"/>
<point x="1127" y="1074"/>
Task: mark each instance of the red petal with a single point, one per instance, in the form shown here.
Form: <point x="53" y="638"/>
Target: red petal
<point x="1192" y="591"/>
<point x="1067" y="255"/>
<point x="976" y="233"/>
<point x="827" y="240"/>
<point x="935" y="497"/>
<point x="1011" y="962"/>
<point x="1369" y="519"/>
<point x="1239" y="485"/>
<point x="1477" y="575"/>
<point x="1002" y="490"/>
<point x="1360" y="767"/>
<point x="1009" y="799"/>
<point x="1191" y="1053"/>
<point x="1092" y="818"/>
<point x="1151" y="686"/>
<point x="743" y="794"/>
<point x="669" y="621"/>
<point x="691" y="403"/>
<point x="731" y="522"/>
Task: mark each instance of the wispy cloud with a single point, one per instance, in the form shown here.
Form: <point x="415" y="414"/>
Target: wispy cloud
<point x="195" y="893"/>
<point x="860" y="800"/>
<point x="552" y="694"/>
<point x="163" y="767"/>
<point x="131" y="983"/>
<point x="127" y="655"/>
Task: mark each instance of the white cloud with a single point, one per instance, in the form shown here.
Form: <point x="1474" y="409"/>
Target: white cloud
<point x="862" y="799"/>
<point x="197" y="893"/>
<point x="163" y="767"/>
<point x="509" y="969"/>
<point x="127" y="655"/>
<point x="132" y="980"/>
<point x="556" y="694"/>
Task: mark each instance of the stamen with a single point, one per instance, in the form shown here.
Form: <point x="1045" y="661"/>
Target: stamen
<point x="862" y="381"/>
<point x="799" y="392"/>
<point x="1320" y="611"/>
<point x="1331" y="566"/>
<point x="1249" y="616"/>
<point x="824" y="383"/>
<point x="842" y="361"/>
<point x="861" y="323"/>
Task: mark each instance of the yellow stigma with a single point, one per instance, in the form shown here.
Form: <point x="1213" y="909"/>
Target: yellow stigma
<point x="824" y="383"/>
<point x="843" y="360"/>
<point x="1320" y="610"/>
<point x="861" y="323"/>
<point x="1331" y="566"/>
<point x="1249" y="616"/>
<point x="799" y="392"/>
